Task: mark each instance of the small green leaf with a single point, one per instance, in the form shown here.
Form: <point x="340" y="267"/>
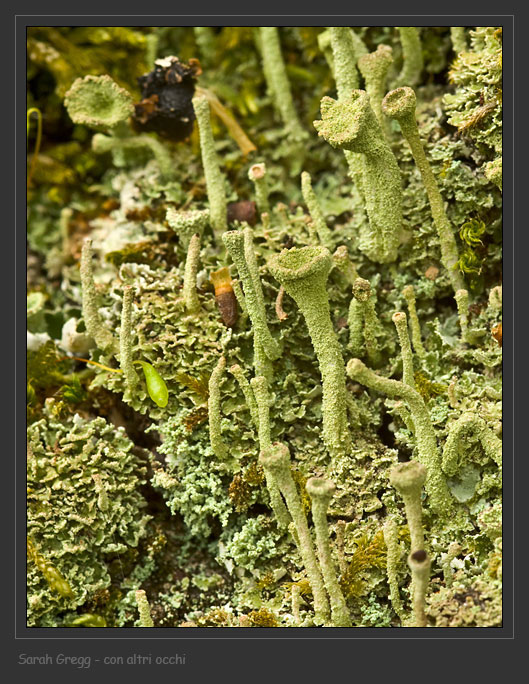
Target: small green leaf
<point x="156" y="386"/>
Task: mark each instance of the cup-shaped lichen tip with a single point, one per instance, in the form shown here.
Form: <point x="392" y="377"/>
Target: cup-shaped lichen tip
<point x="408" y="477"/>
<point x="320" y="488"/>
<point x="98" y="101"/>
<point x="399" y="103"/>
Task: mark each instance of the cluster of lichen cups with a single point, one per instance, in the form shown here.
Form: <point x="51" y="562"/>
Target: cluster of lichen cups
<point x="355" y="125"/>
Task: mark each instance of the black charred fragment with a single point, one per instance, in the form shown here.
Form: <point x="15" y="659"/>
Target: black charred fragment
<point x="167" y="92"/>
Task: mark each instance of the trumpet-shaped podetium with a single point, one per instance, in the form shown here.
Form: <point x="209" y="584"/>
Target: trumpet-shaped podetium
<point x="303" y="273"/>
<point x="400" y="104"/>
<point x="98" y="102"/>
<point x="351" y="124"/>
<point x="408" y="479"/>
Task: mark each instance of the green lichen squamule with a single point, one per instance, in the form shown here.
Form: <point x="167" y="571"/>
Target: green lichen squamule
<point x="303" y="273"/>
<point x="144" y="609"/>
<point x="400" y="104"/>
<point x="351" y="125"/>
<point x="215" y="181"/>
<point x="466" y="428"/>
<point x="102" y="144"/>
<point x="98" y="102"/>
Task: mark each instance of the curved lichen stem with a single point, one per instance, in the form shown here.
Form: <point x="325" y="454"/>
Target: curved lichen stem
<point x="469" y="426"/>
<point x="424" y="434"/>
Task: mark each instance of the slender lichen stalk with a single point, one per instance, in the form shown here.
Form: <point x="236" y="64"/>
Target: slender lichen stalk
<point x="191" y="300"/>
<point x="409" y="296"/>
<point x="461" y="298"/>
<point x="215" y="437"/>
<point x="393" y="554"/>
<point x="259" y="387"/>
<point x="413" y="62"/>
<point x="363" y="322"/>
<point x="125" y="340"/>
<point x="303" y="273"/>
<point x="351" y="125"/>
<point x="247" y="391"/>
<point x="459" y="39"/>
<point x="324" y="234"/>
<point x="345" y="265"/>
<point x="401" y="323"/>
<point x="276" y="459"/>
<point x="424" y="434"/>
<point x="374" y="68"/>
<point x="277" y="81"/>
<point x="102" y="144"/>
<point x="215" y="181"/>
<point x="344" y="60"/>
<point x="408" y="479"/>
<point x="453" y="550"/>
<point x="144" y="609"/>
<point x="419" y="564"/>
<point x="257" y="174"/>
<point x="321" y="492"/>
<point x="95" y="326"/>
<point x="240" y="246"/>
<point x="400" y="104"/>
<point x="461" y="433"/>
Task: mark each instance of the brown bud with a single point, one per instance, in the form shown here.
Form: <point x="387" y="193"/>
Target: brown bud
<point x="225" y="296"/>
<point x="242" y="211"/>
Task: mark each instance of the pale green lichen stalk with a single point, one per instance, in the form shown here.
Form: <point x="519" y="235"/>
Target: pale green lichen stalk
<point x="344" y="60"/>
<point x="215" y="181"/>
<point x="95" y="325"/>
<point x="257" y="174"/>
<point x="324" y="234"/>
<point x="191" y="299"/>
<point x="102" y="144"/>
<point x="419" y="563"/>
<point x="374" y="68"/>
<point x="259" y="389"/>
<point x="459" y="39"/>
<point x="144" y="609"/>
<point x="416" y="337"/>
<point x="363" y="322"/>
<point x="408" y="479"/>
<point x="453" y="551"/>
<point x="214" y="411"/>
<point x="413" y="62"/>
<point x="240" y="247"/>
<point x="276" y="460"/>
<point x="462" y="302"/>
<point x="401" y="324"/>
<point x="247" y="391"/>
<point x="352" y="125"/>
<point x="393" y="555"/>
<point x="278" y="83"/>
<point x="424" y="434"/>
<point x="125" y="340"/>
<point x="303" y="273"/>
<point x="345" y="265"/>
<point x="321" y="492"/>
<point x="400" y="104"/>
